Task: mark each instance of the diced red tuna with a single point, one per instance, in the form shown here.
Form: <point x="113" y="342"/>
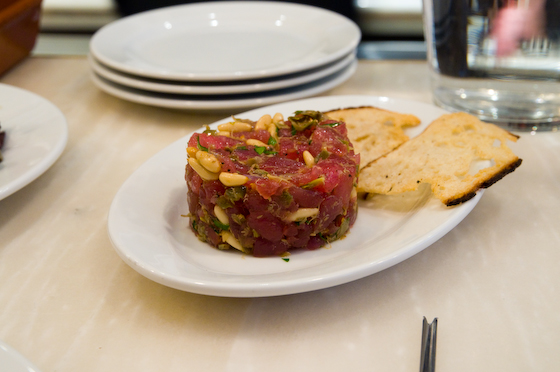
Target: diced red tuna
<point x="283" y="203"/>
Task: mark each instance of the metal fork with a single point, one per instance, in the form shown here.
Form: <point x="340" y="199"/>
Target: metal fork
<point x="428" y="351"/>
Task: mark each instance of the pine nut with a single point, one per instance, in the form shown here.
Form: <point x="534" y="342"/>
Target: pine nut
<point x="302" y="214"/>
<point x="263" y="122"/>
<point x="308" y="159"/>
<point x="209" y="161"/>
<point x="233" y="179"/>
<point x="231" y="240"/>
<point x="202" y="172"/>
<point x="256" y="142"/>
<point x="272" y="130"/>
<point x="239" y="126"/>
<point x="227" y="127"/>
<point x="221" y="215"/>
<point x="191" y="151"/>
<point x="278" y="117"/>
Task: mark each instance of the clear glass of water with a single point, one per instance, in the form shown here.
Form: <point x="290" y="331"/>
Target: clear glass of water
<point x="503" y="70"/>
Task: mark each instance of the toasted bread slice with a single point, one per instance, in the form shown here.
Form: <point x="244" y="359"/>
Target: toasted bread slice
<point x="373" y="131"/>
<point x="444" y="156"/>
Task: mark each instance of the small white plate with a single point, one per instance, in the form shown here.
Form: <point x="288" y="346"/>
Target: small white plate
<point x="225" y="41"/>
<point x="245" y="86"/>
<point x="148" y="232"/>
<point x="223" y="102"/>
<point x="12" y="361"/>
<point x="36" y="135"/>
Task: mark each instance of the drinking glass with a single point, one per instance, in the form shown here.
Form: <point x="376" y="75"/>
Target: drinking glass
<point x="496" y="59"/>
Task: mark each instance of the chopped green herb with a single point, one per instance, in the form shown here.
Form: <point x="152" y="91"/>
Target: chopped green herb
<point x="223" y="202"/>
<point x="220" y="225"/>
<point x="200" y="231"/>
<point x="200" y="147"/>
<point x="238" y="219"/>
<point x="286" y="198"/>
<point x="286" y="259"/>
<point x="332" y="125"/>
<point x="324" y="154"/>
<point x="314" y="183"/>
<point x="272" y="141"/>
<point x="235" y="193"/>
<point x="248" y="121"/>
<point x="303" y="119"/>
<point x="252" y="162"/>
<point x="260" y="172"/>
<point x="280" y="125"/>
<point x="344" y="226"/>
<point x="209" y="131"/>
<point x="263" y="150"/>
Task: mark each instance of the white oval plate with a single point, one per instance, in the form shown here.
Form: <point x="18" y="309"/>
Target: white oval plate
<point x="249" y="86"/>
<point x="225" y="41"/>
<point x="36" y="135"/>
<point x="210" y="102"/>
<point x="12" y="361"/>
<point x="148" y="232"/>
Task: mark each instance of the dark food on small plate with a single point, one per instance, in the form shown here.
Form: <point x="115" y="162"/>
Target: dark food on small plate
<point x="270" y="186"/>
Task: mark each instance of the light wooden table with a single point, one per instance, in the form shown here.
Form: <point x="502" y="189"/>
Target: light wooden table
<point x="69" y="303"/>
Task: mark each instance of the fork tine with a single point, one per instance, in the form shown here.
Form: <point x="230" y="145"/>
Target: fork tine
<point x="428" y="351"/>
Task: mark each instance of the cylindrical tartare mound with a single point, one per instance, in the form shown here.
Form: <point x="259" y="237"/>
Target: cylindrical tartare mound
<point x="274" y="185"/>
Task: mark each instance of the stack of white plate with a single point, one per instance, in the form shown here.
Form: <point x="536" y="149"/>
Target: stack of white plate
<point x="224" y="55"/>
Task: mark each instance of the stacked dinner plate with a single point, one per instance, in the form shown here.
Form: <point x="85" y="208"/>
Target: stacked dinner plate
<point x="224" y="55"/>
